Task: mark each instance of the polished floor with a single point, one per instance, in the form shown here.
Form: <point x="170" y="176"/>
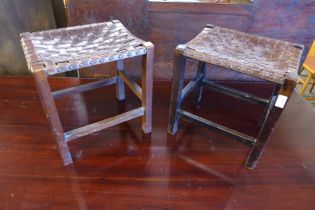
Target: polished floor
<point x="121" y="168"/>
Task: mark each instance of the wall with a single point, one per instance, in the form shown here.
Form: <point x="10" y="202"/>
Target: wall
<point x="18" y="16"/>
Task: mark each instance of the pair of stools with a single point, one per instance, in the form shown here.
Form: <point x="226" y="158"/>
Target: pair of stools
<point x="61" y="50"/>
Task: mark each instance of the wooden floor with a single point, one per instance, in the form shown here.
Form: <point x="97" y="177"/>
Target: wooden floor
<point x="120" y="168"/>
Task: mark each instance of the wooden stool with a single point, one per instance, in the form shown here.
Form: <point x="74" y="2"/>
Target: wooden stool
<point x="61" y="50"/>
<point x="269" y="59"/>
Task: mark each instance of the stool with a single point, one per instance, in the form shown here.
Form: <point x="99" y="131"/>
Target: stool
<point x="268" y="59"/>
<point x="62" y="50"/>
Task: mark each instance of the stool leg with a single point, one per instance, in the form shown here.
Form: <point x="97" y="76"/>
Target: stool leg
<point x="268" y="125"/>
<point x="202" y="68"/>
<point x="271" y="100"/>
<point x="120" y="86"/>
<point x="147" y="88"/>
<point x="177" y="86"/>
<point x="50" y="109"/>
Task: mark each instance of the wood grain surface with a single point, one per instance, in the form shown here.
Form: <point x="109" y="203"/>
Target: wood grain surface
<point x="121" y="168"/>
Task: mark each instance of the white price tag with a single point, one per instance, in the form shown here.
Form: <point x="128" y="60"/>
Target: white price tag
<point x="281" y="101"/>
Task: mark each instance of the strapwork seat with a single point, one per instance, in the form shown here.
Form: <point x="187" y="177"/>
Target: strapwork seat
<point x="257" y="56"/>
<point x="261" y="57"/>
<point x="66" y="49"/>
<point x="62" y="50"/>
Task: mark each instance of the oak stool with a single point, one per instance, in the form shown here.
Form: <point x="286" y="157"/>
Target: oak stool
<point x="261" y="57"/>
<point x="62" y="50"/>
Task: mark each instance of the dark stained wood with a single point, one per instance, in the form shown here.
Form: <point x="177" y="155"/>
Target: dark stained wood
<point x="85" y="87"/>
<point x="17" y="16"/>
<point x="120" y="85"/>
<point x="269" y="123"/>
<point x="120" y="168"/>
<point x="202" y="9"/>
<point x="177" y="89"/>
<point x="235" y="93"/>
<point x="170" y="24"/>
<point x="243" y="138"/>
<point x="282" y="72"/>
<point x="272" y="99"/>
<point x="202" y="69"/>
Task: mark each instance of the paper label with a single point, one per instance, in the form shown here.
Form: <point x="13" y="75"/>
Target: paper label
<point x="281" y="101"/>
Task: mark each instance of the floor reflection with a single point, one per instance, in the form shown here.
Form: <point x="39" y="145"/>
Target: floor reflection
<point x="207" y="169"/>
<point x="76" y="189"/>
<point x="128" y="161"/>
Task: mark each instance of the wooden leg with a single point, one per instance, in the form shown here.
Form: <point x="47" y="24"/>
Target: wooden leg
<point x="202" y="68"/>
<point x="309" y="77"/>
<point x="271" y="103"/>
<point x="49" y="106"/>
<point x="120" y="86"/>
<point x="147" y="87"/>
<point x="269" y="125"/>
<point x="177" y="86"/>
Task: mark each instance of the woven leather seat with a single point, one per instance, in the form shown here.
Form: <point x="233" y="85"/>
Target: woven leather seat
<point x="61" y="50"/>
<point x="261" y="57"/>
<point x="258" y="56"/>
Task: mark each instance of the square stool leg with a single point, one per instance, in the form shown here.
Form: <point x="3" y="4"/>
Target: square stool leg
<point x="271" y="103"/>
<point x="147" y="87"/>
<point x="51" y="112"/>
<point x="177" y="87"/>
<point x="120" y="85"/>
<point x="269" y="124"/>
<point x="202" y="69"/>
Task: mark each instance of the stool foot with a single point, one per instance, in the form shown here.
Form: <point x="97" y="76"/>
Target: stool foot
<point x="251" y="165"/>
<point x="172" y="129"/>
<point x="67" y="159"/>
